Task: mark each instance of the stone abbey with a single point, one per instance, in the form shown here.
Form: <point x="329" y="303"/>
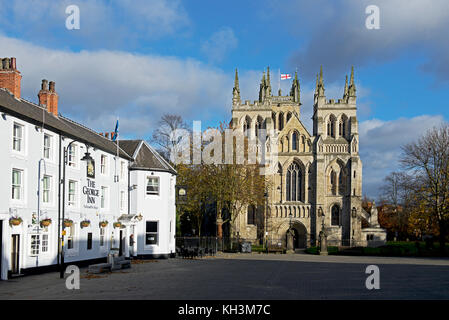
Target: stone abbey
<point x="317" y="182"/>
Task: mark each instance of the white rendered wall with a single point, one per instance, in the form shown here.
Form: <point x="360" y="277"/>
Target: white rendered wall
<point x="160" y="208"/>
<point x="28" y="161"/>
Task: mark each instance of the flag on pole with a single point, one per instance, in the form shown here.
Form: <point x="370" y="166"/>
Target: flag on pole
<point x="115" y="132"/>
<point x="286" y="76"/>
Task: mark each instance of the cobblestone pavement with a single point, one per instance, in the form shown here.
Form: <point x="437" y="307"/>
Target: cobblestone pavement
<point x="246" y="276"/>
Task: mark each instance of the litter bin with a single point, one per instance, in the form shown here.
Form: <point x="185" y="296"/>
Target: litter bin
<point x="245" y="247"/>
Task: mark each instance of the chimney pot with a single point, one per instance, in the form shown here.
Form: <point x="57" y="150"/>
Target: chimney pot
<point x="44" y="85"/>
<point x="48" y="98"/>
<point x="52" y="86"/>
<point x="10" y="77"/>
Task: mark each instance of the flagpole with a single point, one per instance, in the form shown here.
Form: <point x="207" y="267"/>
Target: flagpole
<point x="279" y="80"/>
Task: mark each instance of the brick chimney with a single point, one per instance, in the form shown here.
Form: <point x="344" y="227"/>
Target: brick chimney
<point x="48" y="97"/>
<point x="10" y="77"/>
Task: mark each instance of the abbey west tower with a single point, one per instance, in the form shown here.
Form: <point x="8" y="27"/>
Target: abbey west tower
<point x="317" y="183"/>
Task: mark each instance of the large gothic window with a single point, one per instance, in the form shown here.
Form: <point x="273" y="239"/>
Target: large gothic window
<point x="335" y="215"/>
<point x="294" y="183"/>
<point x="281" y="121"/>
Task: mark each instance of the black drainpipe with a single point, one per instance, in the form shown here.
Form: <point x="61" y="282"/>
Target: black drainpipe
<point x="129" y="190"/>
<point x="59" y="203"/>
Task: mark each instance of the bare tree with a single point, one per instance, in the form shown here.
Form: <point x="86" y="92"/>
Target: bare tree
<point x="428" y="160"/>
<point x="162" y="134"/>
<point x="396" y="194"/>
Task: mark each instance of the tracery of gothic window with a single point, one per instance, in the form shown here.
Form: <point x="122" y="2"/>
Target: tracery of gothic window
<point x="294" y="183"/>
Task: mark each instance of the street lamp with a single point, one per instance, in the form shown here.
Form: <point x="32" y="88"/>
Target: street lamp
<point x="266" y="219"/>
<point x="354" y="216"/>
<point x="89" y="160"/>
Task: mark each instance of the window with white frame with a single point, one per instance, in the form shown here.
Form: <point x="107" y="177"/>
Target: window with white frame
<point x="151" y="234"/>
<point x="17" y="184"/>
<point x="38" y="244"/>
<point x="72" y="155"/>
<point x="46" y="189"/>
<point x="47" y="146"/>
<point x="122" y="200"/>
<point x="72" y="193"/>
<point x="104" y="191"/>
<point x="153" y="185"/>
<point x="70" y="231"/>
<point x="44" y="247"/>
<point x="17" y="142"/>
<point x="34" y="244"/>
<point x="103" y="164"/>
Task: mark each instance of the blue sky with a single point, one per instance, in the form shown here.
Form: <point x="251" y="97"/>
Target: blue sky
<point x="138" y="59"/>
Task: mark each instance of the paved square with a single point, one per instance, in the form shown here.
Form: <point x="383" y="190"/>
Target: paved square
<point x="246" y="277"/>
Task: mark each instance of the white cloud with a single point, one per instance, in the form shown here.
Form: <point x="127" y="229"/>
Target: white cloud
<point x="105" y="24"/>
<point x="339" y="38"/>
<point x="97" y="85"/>
<point x="380" y="145"/>
<point x="220" y="44"/>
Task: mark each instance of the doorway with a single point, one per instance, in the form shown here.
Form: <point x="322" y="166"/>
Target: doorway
<point x="1" y="246"/>
<point x="120" y="249"/>
<point x="15" y="254"/>
<point x="300" y="235"/>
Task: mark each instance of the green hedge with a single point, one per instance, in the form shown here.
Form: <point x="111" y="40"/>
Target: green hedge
<point x="391" y="249"/>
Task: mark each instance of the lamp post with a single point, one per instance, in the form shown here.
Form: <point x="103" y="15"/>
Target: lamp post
<point x="88" y="159"/>
<point x="266" y="219"/>
<point x="354" y="216"/>
<point x="290" y="245"/>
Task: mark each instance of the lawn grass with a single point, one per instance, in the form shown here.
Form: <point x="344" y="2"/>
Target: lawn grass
<point x="314" y="250"/>
<point x="391" y="249"/>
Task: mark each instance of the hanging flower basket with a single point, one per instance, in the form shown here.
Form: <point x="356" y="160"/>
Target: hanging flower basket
<point x="68" y="223"/>
<point x="15" y="221"/>
<point x="103" y="224"/>
<point x="45" y="222"/>
<point x="85" y="223"/>
<point x="117" y="224"/>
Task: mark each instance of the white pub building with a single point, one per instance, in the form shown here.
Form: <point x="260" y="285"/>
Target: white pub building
<point x="69" y="194"/>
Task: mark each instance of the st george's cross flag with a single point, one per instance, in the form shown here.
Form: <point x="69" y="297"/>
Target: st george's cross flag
<point x="285" y="76"/>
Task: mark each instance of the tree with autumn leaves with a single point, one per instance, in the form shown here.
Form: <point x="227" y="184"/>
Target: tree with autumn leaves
<point x="424" y="183"/>
<point x="232" y="187"/>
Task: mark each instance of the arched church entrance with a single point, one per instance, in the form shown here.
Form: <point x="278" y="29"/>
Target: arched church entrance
<point x="299" y="235"/>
